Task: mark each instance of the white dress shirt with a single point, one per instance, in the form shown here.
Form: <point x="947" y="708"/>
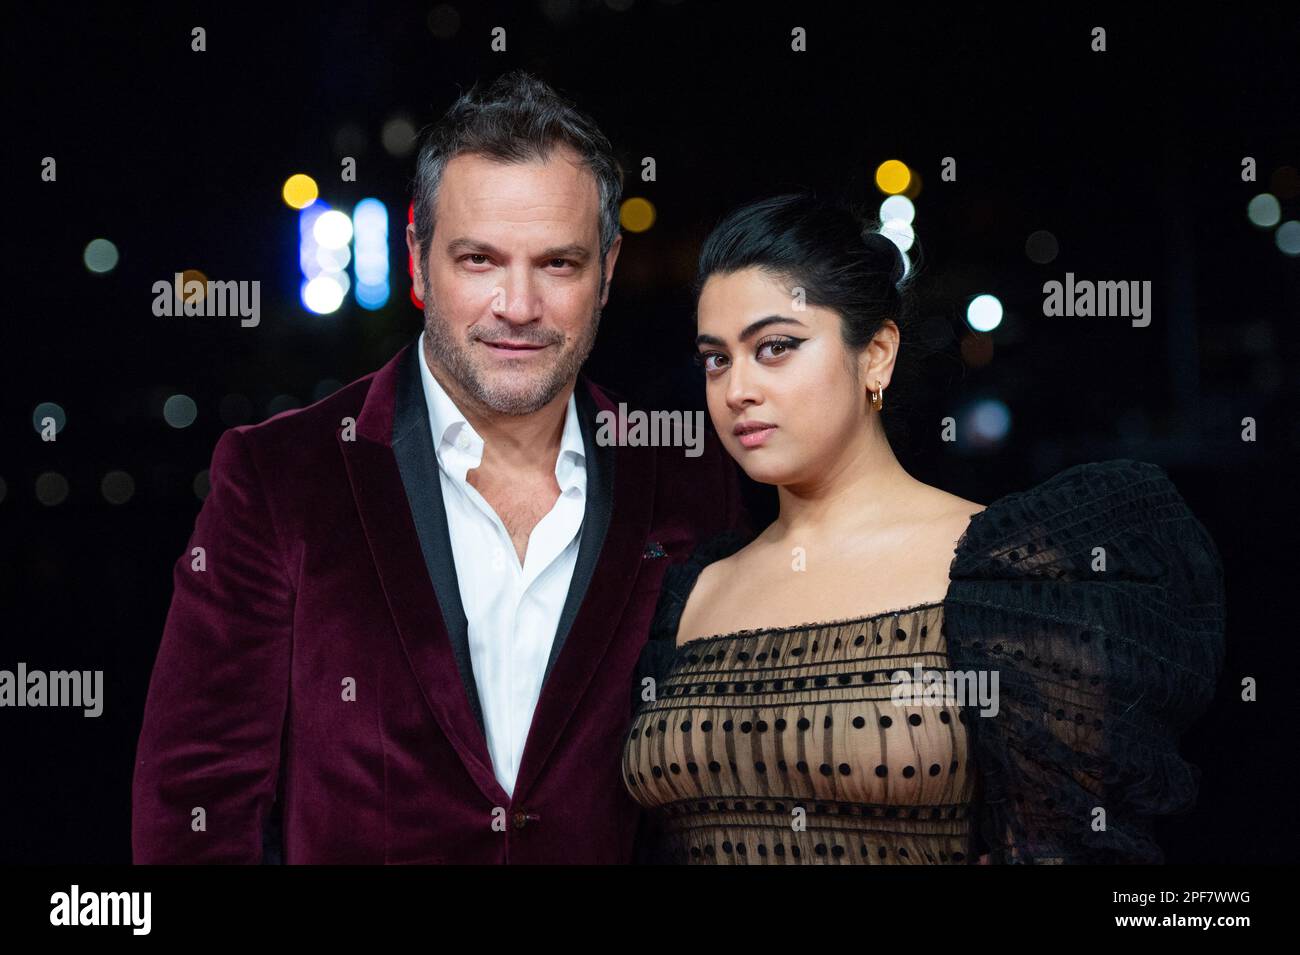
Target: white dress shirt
<point x="513" y="611"/>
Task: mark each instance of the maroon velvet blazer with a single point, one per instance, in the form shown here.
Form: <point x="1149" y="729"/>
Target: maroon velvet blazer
<point x="313" y="699"/>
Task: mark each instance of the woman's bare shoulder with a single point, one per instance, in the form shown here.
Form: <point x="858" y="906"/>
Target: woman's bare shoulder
<point x="711" y="577"/>
<point x="705" y="595"/>
<point x="948" y="508"/>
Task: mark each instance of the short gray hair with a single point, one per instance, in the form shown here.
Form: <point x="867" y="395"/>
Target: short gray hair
<point x="518" y="118"/>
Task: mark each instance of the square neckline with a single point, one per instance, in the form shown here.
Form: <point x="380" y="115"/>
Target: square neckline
<point x="897" y="611"/>
<point x="815" y="624"/>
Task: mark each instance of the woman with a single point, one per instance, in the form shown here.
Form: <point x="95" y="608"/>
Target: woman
<point x="1087" y="611"/>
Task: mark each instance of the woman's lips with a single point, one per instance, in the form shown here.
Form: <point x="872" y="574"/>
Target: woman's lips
<point x="754" y="439"/>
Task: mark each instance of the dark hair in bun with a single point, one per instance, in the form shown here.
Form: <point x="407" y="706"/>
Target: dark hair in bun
<point x="842" y="263"/>
<point x="824" y="248"/>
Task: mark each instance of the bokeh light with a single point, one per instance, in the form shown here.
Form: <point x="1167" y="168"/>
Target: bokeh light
<point x="300" y="191"/>
<point x="370" y="228"/>
<point x="325" y="293"/>
<point x="100" y="256"/>
<point x="398" y="136"/>
<point x="332" y="229"/>
<point x="48" y="409"/>
<point x="1288" y="237"/>
<point x="902" y="235"/>
<point x="1264" y="211"/>
<point x="988" y="422"/>
<point x="51" y="488"/>
<point x="893" y="176"/>
<point x="179" y="411"/>
<point x="117" y="487"/>
<point x="443" y="21"/>
<point x="637" y="214"/>
<point x="984" y="313"/>
<point x="1041" y="247"/>
<point x="899" y="208"/>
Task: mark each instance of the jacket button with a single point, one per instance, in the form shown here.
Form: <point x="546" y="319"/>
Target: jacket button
<point x="520" y="819"/>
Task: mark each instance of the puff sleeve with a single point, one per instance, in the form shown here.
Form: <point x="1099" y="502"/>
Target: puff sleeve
<point x="1097" y="599"/>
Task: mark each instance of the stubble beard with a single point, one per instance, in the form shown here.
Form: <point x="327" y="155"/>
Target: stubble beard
<point x="527" y="391"/>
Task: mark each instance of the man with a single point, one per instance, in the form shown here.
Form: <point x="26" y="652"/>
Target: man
<point x="406" y="624"/>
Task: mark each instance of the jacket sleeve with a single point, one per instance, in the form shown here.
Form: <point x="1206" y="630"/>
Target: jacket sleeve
<point x="209" y="750"/>
<point x="1097" y="600"/>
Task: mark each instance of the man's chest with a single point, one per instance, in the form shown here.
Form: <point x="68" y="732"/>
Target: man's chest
<point x="492" y="512"/>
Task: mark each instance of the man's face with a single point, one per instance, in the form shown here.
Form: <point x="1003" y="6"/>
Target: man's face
<point x="511" y="284"/>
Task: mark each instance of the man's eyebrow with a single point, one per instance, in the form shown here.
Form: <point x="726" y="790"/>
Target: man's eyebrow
<point x="573" y="250"/>
<point x="462" y="244"/>
<point x="750" y="329"/>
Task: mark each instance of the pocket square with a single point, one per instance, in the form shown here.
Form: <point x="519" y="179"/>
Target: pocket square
<point x="654" y="549"/>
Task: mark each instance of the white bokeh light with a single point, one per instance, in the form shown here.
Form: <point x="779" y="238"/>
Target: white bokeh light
<point x="984" y="313"/>
<point x="324" y="294"/>
<point x="332" y="229"/>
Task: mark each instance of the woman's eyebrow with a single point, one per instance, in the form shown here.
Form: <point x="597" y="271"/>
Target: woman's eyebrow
<point x="750" y="329"/>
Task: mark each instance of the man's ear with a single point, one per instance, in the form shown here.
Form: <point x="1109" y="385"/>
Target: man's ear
<point x="608" y="265"/>
<point x="417" y="262"/>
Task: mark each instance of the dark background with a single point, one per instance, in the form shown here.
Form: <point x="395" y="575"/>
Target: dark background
<point x="1131" y="158"/>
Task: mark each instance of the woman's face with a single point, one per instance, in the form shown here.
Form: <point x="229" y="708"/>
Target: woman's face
<point x="767" y="363"/>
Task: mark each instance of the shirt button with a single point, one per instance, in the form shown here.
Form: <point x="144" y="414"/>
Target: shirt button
<point x="520" y="819"/>
<point x="463" y="442"/>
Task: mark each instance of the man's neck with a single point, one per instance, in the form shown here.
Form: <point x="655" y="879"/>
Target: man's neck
<point x="515" y="443"/>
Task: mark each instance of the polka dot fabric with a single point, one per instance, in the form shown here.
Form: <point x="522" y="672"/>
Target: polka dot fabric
<point x="1095" y="598"/>
<point x="784" y="746"/>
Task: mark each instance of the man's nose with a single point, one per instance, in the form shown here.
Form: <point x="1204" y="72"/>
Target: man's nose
<point x="516" y="299"/>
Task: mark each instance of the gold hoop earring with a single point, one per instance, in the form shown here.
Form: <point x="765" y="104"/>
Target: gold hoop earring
<point x="877" y="397"/>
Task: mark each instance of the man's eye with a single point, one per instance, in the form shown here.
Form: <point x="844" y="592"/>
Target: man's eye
<point x="560" y="263"/>
<point x="476" y="255"/>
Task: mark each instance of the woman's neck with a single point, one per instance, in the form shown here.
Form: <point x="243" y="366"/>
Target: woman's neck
<point x="865" y="488"/>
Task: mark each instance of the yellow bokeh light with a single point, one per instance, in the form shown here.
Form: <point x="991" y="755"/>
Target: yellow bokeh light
<point x="194" y="294"/>
<point x="637" y="215"/>
<point x="892" y="177"/>
<point x="300" y="191"/>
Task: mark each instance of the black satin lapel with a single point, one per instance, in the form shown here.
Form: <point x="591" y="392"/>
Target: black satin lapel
<point x="413" y="448"/>
<point x="595" y="521"/>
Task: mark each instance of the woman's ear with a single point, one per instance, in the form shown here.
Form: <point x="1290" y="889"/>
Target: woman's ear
<point x="876" y="361"/>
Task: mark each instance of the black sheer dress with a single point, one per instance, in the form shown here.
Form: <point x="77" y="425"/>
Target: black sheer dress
<point x="1095" y="597"/>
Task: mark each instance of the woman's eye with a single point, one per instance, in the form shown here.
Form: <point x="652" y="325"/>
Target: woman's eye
<point x="778" y="347"/>
<point x="703" y="359"/>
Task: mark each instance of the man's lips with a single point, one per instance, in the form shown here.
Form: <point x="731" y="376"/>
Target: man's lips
<point x="513" y="346"/>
